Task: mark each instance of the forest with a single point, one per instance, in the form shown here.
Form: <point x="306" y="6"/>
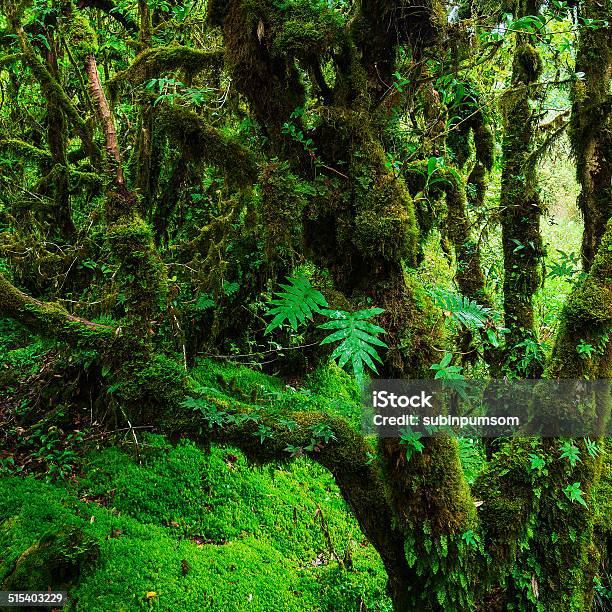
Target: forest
<point x="221" y="221"/>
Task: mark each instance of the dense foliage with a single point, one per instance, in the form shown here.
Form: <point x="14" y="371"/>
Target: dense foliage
<point x="218" y="219"/>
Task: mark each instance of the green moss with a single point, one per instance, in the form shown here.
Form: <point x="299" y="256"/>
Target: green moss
<point x="375" y="219"/>
<point x="205" y="143"/>
<point x="527" y="66"/>
<point x="131" y="240"/>
<point x="384" y="221"/>
<point x="271" y="84"/>
<point x="152" y="386"/>
<point x="197" y="530"/>
<point x="282" y="208"/>
<point x="158" y="60"/>
<point x="55" y="93"/>
<point x="81" y="36"/>
<point x="53" y="561"/>
<point x="50" y="319"/>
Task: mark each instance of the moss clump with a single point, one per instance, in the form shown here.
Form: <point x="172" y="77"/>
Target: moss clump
<point x="282" y="207"/>
<point x="432" y="504"/>
<point x="271" y="84"/>
<point x="384" y="221"/>
<point x="375" y="220"/>
<point x="151" y="387"/>
<point x="147" y="286"/>
<point x="81" y="36"/>
<point x="527" y="66"/>
<point x="54" y="561"/>
<point x="506" y="489"/>
<point x="197" y="530"/>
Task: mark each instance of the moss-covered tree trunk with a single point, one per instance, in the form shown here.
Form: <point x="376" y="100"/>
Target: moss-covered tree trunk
<point x="520" y="209"/>
<point x="571" y="564"/>
<point x="591" y="125"/>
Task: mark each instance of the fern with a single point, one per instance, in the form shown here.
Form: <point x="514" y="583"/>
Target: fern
<point x="296" y="304"/>
<point x="467" y="312"/>
<point x="358" y="338"/>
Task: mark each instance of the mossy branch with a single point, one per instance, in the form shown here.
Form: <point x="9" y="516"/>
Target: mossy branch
<point x="203" y="142"/>
<point x="52" y="320"/>
<point x="25" y="149"/>
<point x="54" y="91"/>
<point x="158" y="60"/>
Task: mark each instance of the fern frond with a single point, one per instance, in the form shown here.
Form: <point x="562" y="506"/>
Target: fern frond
<point x="296" y="304"/>
<point x="465" y="311"/>
<point x="357" y="337"/>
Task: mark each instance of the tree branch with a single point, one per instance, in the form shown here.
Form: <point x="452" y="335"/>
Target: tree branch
<point x="106" y="118"/>
<point x="50" y="319"/>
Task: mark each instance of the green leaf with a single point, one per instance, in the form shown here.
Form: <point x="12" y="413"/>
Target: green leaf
<point x="411" y="440"/>
<point x="465" y="311"/>
<point x="537" y="463"/>
<point x="574" y="493"/>
<point x="295" y="305"/>
<point x="357" y="337"/>
<point x="570" y="452"/>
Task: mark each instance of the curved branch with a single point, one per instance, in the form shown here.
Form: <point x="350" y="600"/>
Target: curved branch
<point x="50" y="319"/>
<point x="203" y="142"/>
<point x="157" y="60"/>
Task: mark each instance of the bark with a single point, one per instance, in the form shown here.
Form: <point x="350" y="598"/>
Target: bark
<point x="106" y="117"/>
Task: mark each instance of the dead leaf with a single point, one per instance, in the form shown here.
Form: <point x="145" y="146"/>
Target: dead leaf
<point x="260" y="30"/>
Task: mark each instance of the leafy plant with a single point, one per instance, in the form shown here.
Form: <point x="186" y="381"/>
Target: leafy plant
<point x="592" y="449"/>
<point x="472" y="457"/>
<point x="537" y="464"/>
<point x="263" y="433"/>
<point x="358" y="338"/>
<point x="585" y="349"/>
<point x="445" y="371"/>
<point x="574" y="493"/>
<point x="323" y="432"/>
<point x="470" y="538"/>
<point x="465" y="311"/>
<point x="296" y="304"/>
<point x="570" y="452"/>
<point x="411" y="440"/>
<point x="211" y="414"/>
